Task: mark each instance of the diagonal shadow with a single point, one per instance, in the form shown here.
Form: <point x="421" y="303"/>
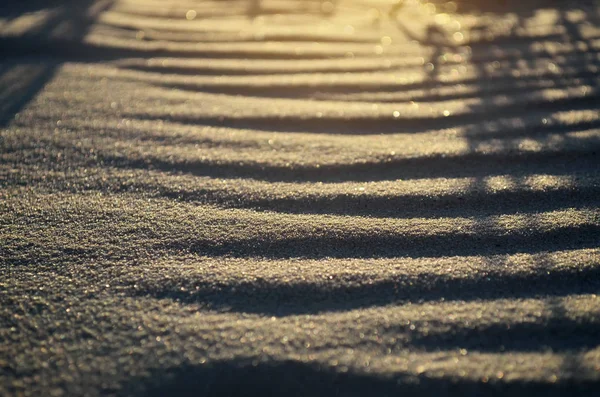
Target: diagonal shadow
<point x="368" y="125"/>
<point x="284" y="299"/>
<point x="63" y="21"/>
<point x="471" y="203"/>
<point x="439" y="166"/>
<point x="242" y="377"/>
<point x="557" y="334"/>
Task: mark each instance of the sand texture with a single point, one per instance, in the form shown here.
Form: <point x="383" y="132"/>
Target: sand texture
<point x="299" y="198"/>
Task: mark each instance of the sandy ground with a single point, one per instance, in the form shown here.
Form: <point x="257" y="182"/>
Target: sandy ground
<point x="299" y="198"/>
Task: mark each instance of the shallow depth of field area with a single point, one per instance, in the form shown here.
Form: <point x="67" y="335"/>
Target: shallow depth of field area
<point x="299" y="198"/>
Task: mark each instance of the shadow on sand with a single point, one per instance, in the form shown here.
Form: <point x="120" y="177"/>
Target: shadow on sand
<point x="292" y="378"/>
<point x="23" y="72"/>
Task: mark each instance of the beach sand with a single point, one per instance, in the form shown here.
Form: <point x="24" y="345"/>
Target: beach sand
<point x="299" y="198"/>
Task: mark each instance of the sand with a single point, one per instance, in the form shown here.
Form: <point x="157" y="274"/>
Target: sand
<point x="299" y="198"/>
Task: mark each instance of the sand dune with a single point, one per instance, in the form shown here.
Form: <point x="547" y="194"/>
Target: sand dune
<point x="306" y="198"/>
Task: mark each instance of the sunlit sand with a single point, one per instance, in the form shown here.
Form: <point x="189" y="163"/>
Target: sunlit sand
<point x="299" y="198"/>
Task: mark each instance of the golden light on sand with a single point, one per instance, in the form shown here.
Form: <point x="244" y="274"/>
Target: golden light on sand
<point x="313" y="198"/>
